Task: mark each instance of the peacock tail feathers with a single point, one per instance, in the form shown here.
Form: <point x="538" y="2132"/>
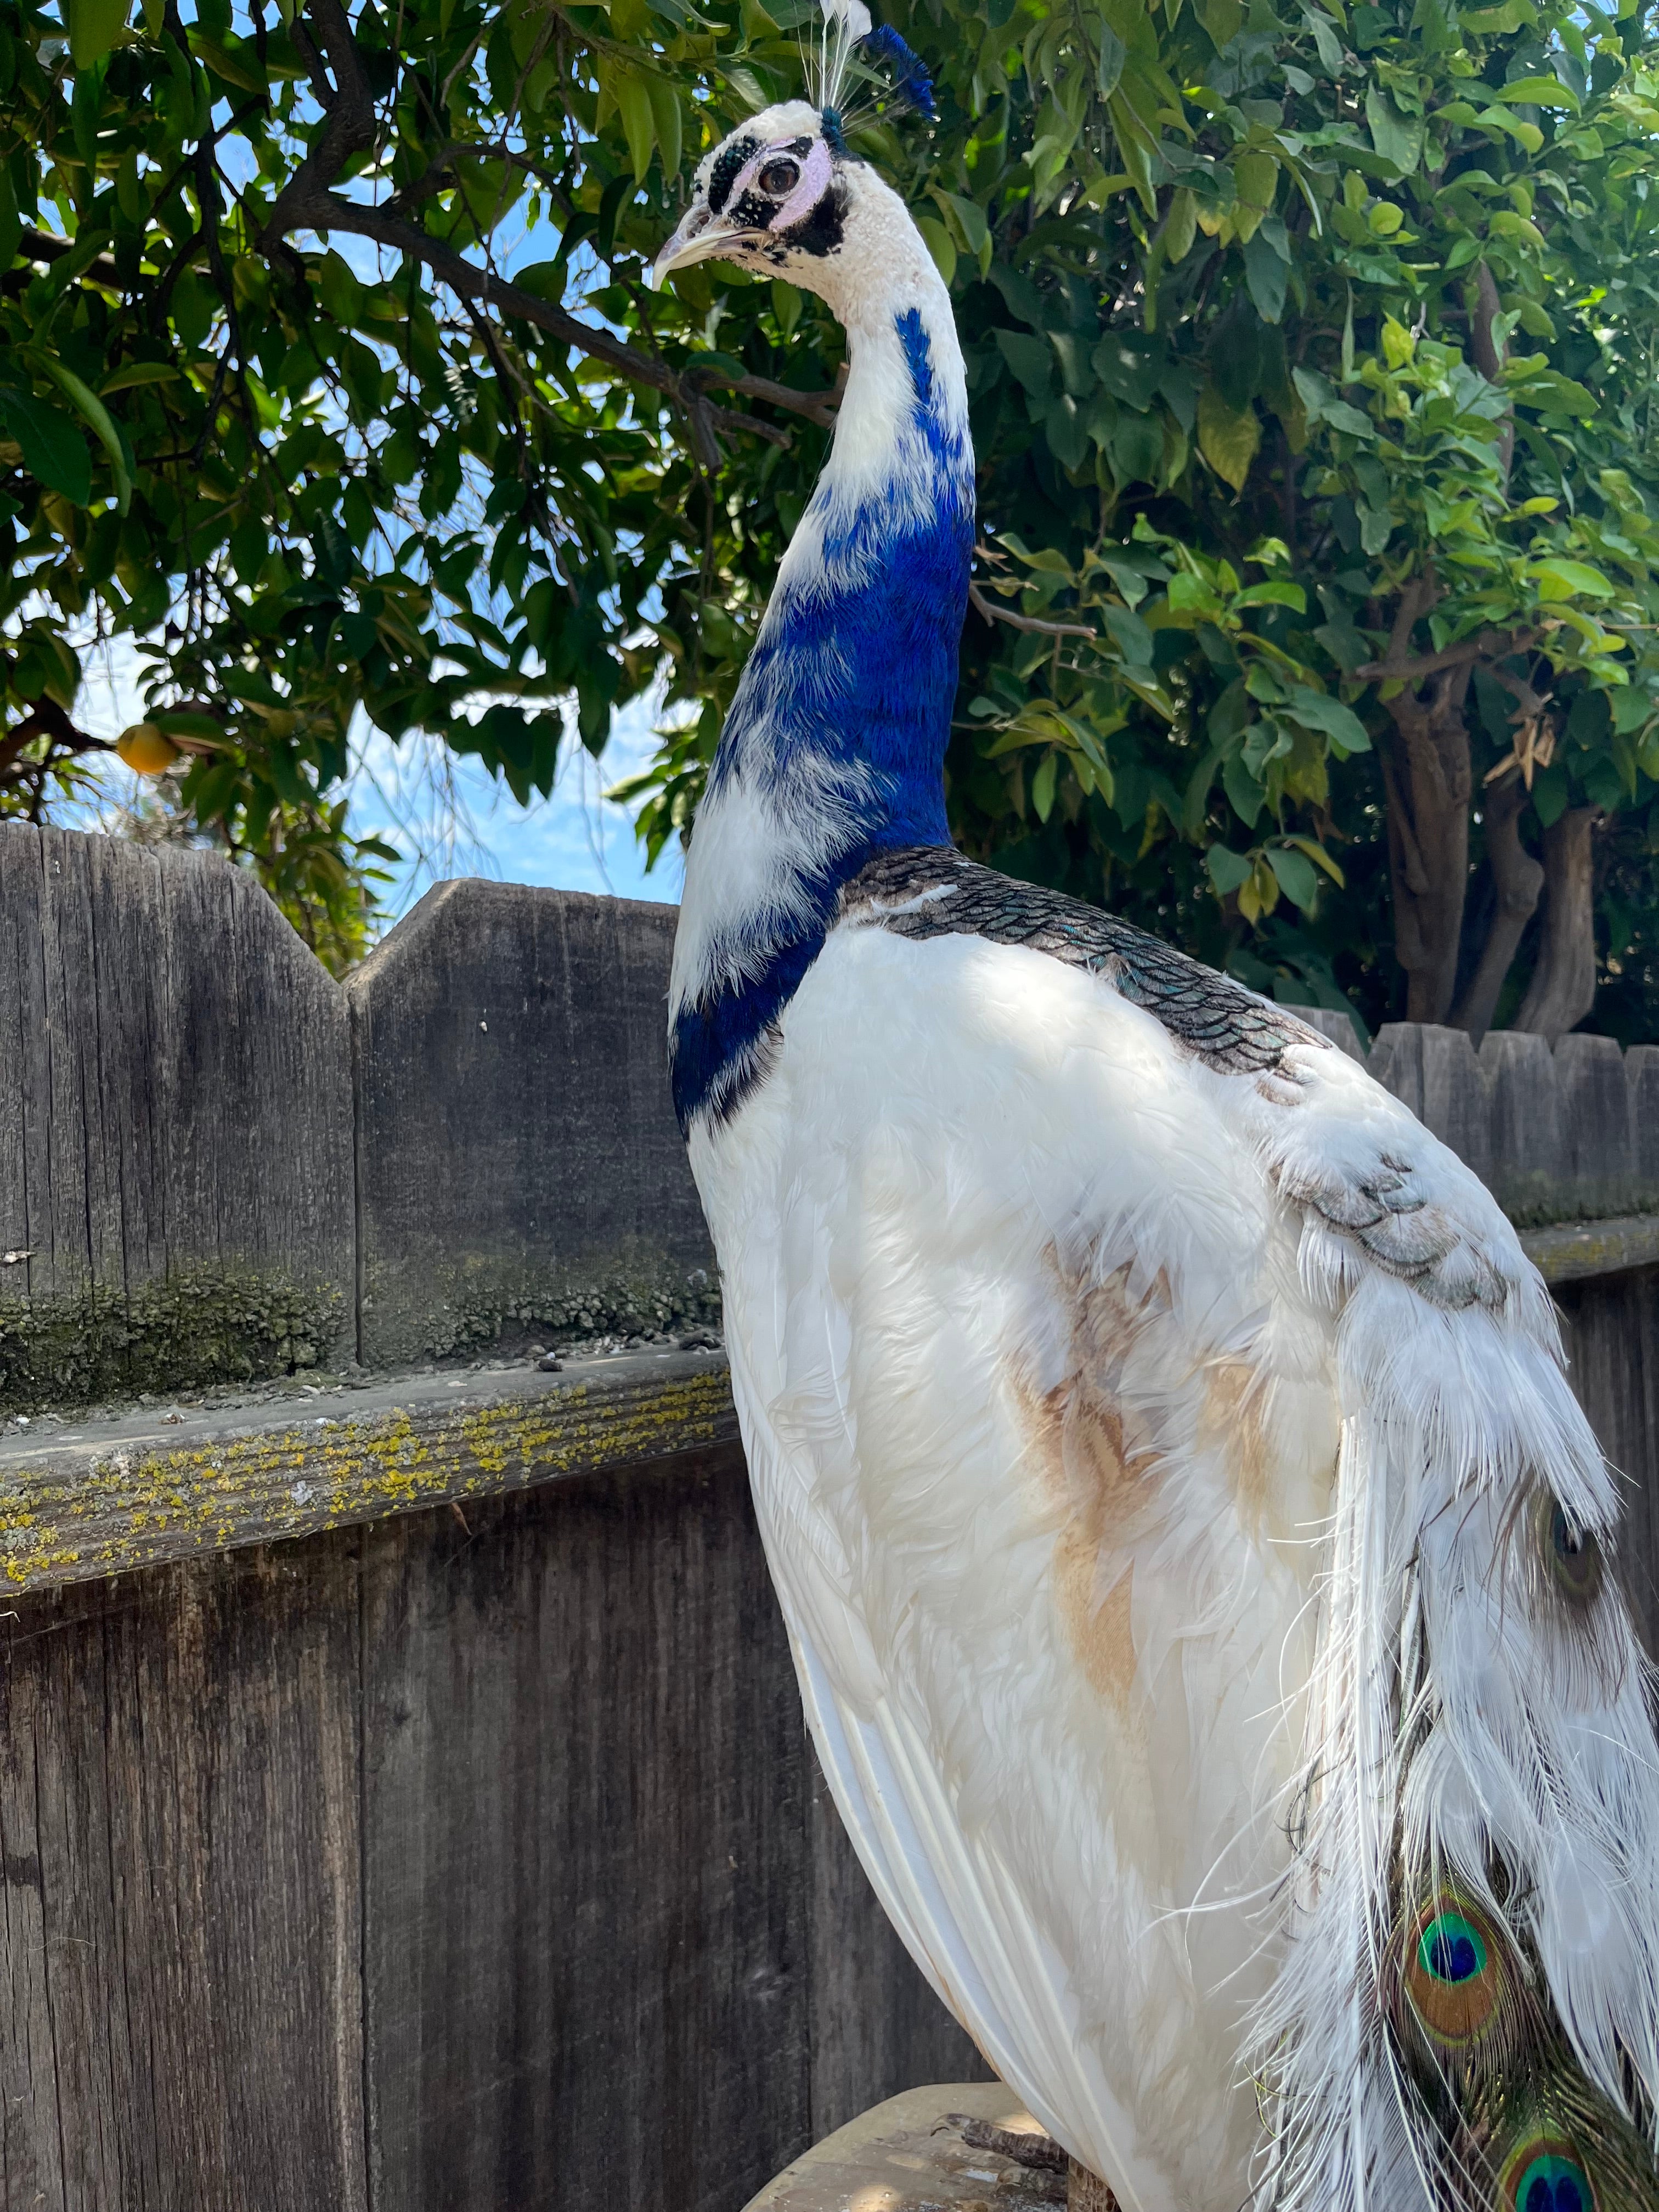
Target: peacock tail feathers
<point x="1509" y="2121"/>
<point x="1477" y="1841"/>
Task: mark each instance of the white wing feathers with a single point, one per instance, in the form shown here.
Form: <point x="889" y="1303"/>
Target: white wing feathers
<point x="1534" y="1749"/>
<point x="1134" y="1445"/>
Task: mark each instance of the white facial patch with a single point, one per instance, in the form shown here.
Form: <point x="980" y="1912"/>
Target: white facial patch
<point x="814" y="181"/>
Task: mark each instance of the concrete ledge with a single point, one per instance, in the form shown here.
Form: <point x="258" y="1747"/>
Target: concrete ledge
<point x="101" y="1497"/>
<point x="905" y="2156"/>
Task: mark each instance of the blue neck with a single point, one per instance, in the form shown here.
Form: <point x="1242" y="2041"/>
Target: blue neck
<point x="839" y="727"/>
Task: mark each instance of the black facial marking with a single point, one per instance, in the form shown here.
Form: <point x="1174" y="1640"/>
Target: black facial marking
<point x="751" y="212"/>
<point x="724" y="174"/>
<point x="821" y="232"/>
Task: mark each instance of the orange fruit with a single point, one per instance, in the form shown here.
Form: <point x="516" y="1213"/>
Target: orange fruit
<point x="143" y="747"/>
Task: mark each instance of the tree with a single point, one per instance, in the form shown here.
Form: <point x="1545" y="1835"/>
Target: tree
<point x="1310" y="356"/>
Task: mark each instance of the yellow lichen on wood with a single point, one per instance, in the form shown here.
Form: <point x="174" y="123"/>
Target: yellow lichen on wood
<point x="71" y="1518"/>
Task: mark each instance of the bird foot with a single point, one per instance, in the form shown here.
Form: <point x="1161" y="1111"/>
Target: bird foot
<point x="1030" y="2147"/>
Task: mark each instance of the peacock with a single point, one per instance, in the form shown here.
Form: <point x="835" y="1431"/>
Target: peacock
<point x="1197" y="1569"/>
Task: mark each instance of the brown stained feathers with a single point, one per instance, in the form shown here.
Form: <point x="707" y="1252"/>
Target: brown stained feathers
<point x="1100" y="1478"/>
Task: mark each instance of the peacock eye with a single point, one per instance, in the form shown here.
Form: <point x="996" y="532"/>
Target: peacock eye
<point x="780" y="178"/>
<point x="1572" y="1554"/>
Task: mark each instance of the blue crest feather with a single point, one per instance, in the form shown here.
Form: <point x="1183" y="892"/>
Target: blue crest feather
<point x="913" y="83"/>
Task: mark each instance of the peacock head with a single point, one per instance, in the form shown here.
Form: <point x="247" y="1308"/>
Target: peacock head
<point x="776" y="197"/>
<point x="783" y="197"/>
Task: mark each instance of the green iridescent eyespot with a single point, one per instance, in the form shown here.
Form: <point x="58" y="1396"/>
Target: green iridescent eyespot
<point x="1455" y="1972"/>
<point x="1545" y="2176"/>
<point x="1451" y="1949"/>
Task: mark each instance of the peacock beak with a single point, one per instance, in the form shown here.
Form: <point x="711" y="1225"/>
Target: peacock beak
<point x="701" y="234"/>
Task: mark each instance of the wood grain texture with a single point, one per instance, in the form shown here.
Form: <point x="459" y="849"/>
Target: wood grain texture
<point x="514" y="1124"/>
<point x="175" y="1074"/>
<point x="865" y="2045"/>
<point x="100" y="1499"/>
<point x="179" y="1941"/>
<point x="1574" y="1251"/>
<point x="585" y="1852"/>
<point x="1612" y="1345"/>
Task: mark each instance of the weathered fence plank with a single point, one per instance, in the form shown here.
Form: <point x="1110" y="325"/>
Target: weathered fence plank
<point x="104" y="1497"/>
<point x="179" y="1946"/>
<point x="1613" y="1346"/>
<point x="175" y="1122"/>
<point x="584" y="1854"/>
<point x="516" y="1147"/>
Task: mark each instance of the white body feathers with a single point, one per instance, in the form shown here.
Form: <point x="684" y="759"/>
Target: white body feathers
<point x="1044" y="1337"/>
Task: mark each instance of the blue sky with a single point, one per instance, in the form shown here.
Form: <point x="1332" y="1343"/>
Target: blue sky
<point x="448" y="816"/>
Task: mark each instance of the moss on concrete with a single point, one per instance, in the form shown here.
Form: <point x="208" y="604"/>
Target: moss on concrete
<point x="185" y="1331"/>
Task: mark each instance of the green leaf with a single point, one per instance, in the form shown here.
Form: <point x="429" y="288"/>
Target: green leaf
<point x="341" y="292"/>
<point x="1227" y="870"/>
<point x="98" y="417"/>
<point x="1244" y="794"/>
<point x="1552" y="393"/>
<point x="639" y="127"/>
<point x="1560" y="579"/>
<point x="665" y="120"/>
<point x="1397" y="138"/>
<point x="1042" y="785"/>
<point x="1317" y="710"/>
<point x="1538" y="92"/>
<point x="1323" y="405"/>
<point x="939" y="244"/>
<point x="94" y="27"/>
<point x="1295" y="874"/>
<point x="54" y="452"/>
<point x="1274" y="593"/>
<point x="1030" y="359"/>
<point x="1320" y="858"/>
<point x="1266" y="271"/>
<point x="1113" y="53"/>
<point x="1228" y="439"/>
<point x="1181" y="226"/>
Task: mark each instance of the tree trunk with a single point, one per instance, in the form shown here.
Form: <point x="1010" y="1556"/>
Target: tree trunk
<point x="1562" y="987"/>
<point x="1430" y="784"/>
<point x="1518" y="879"/>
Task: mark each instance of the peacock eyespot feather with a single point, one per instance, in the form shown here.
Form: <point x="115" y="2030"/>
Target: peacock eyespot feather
<point x="1571" y="1554"/>
<point x="1545" y="2173"/>
<point x="1451" y="1949"/>
<point x="1456" y="1971"/>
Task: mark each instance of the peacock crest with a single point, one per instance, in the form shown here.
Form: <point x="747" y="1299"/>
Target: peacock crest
<point x="850" y="54"/>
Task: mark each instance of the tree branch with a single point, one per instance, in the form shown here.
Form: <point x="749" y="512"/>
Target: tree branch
<point x="1488" y="645"/>
<point x="308" y="201"/>
<point x="1488" y="359"/>
<point x="991" y="613"/>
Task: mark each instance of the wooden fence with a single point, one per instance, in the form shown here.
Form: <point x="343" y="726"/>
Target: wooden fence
<point x="403" y="1799"/>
